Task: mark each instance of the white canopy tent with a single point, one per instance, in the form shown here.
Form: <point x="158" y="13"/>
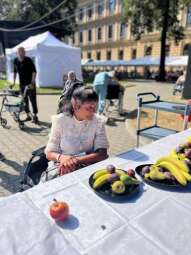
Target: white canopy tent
<point x="52" y="59"/>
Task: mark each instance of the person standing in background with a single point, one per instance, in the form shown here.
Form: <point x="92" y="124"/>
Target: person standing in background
<point x="26" y="70"/>
<point x="100" y="85"/>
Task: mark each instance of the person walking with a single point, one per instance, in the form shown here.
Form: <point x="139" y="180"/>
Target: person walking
<point x="179" y="85"/>
<point x="26" y="70"/>
<point x="100" y="85"/>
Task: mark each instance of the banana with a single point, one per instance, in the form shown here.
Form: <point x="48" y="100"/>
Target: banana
<point x="99" y="173"/>
<point x="181" y="165"/>
<point x="174" y="154"/>
<point x="156" y="175"/>
<point x="187" y="176"/>
<point x="101" y="180"/>
<point x="189" y="139"/>
<point x="174" y="171"/>
<point x="119" y="172"/>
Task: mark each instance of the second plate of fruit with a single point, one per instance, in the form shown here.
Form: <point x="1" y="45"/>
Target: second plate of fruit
<point x="171" y="170"/>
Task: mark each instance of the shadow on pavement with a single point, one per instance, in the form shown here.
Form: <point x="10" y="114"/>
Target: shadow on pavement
<point x="8" y="181"/>
<point x="42" y="128"/>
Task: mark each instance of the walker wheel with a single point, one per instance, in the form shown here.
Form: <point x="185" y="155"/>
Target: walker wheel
<point x="3" y="123"/>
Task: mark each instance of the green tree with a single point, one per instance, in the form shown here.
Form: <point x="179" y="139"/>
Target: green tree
<point x="163" y="15"/>
<point x="31" y="10"/>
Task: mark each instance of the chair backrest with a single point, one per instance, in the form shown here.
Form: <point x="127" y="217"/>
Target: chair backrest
<point x="36" y="168"/>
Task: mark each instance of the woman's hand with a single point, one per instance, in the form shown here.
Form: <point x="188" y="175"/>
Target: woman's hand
<point x="67" y="164"/>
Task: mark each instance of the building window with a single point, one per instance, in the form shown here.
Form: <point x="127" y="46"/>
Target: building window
<point x="81" y="14"/>
<point x="99" y="33"/>
<point x="189" y="16"/>
<point x="110" y="31"/>
<point x="134" y="54"/>
<point x="109" y="55"/>
<point x="90" y="11"/>
<point x="167" y="50"/>
<point x="148" y="50"/>
<point x="89" y="35"/>
<point x="186" y="49"/>
<point x="98" y="55"/>
<point x="89" y="55"/>
<point x="123" y="29"/>
<point x="111" y="6"/>
<point x="120" y="54"/>
<point x="100" y="8"/>
<point x="81" y="37"/>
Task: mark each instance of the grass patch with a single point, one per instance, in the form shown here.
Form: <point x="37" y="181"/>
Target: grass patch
<point x="4" y="84"/>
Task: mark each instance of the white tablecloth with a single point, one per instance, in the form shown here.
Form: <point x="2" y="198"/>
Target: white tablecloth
<point x="153" y="222"/>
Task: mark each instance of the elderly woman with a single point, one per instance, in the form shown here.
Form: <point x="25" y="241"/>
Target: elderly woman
<point x="71" y="84"/>
<point x="77" y="136"/>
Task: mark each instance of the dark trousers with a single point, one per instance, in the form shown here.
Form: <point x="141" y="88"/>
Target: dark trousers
<point x="30" y="94"/>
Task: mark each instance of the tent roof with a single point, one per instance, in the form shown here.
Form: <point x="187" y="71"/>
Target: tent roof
<point x="46" y="39"/>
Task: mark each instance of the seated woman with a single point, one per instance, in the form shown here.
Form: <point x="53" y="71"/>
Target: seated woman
<point x="78" y="136"/>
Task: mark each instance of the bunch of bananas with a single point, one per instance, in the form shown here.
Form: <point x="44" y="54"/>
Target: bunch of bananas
<point x="169" y="168"/>
<point x="117" y="178"/>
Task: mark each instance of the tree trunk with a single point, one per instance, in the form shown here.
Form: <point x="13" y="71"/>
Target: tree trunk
<point x="165" y="12"/>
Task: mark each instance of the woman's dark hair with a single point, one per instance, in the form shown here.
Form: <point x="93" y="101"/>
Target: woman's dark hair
<point x="82" y="95"/>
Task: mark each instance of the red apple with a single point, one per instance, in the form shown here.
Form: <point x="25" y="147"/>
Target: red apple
<point x="59" y="210"/>
<point x="131" y="172"/>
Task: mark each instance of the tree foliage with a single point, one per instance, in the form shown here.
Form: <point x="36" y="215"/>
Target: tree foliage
<point x="30" y="10"/>
<point x="162" y="15"/>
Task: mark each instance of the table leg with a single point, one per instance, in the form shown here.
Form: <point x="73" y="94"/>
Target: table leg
<point x="138" y="124"/>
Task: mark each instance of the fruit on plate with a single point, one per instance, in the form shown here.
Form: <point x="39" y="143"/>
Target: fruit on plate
<point x="156" y="174"/>
<point x="100" y="181"/>
<point x="119" y="172"/>
<point x="59" y="210"/>
<point x="118" y="187"/>
<point x="168" y="168"/>
<point x="111" y="176"/>
<point x="99" y="173"/>
<point x="110" y="169"/>
<point x="128" y="180"/>
<point x="182" y="151"/>
<point x="131" y="172"/>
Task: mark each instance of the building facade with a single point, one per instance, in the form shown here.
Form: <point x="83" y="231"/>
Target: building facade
<point x="102" y="35"/>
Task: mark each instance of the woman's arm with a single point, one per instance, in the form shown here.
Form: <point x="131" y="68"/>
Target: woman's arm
<point x="98" y="155"/>
<point x="51" y="155"/>
<point x="71" y="163"/>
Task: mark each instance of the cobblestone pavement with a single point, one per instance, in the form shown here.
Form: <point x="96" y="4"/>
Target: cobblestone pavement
<point x="17" y="145"/>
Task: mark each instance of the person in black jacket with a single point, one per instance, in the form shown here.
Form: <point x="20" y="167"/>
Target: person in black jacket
<point x="26" y="70"/>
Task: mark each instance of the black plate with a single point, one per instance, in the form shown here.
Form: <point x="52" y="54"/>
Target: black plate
<point x="106" y="192"/>
<point x="160" y="184"/>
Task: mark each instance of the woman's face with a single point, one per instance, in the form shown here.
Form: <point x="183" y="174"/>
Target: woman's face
<point x="86" y="111"/>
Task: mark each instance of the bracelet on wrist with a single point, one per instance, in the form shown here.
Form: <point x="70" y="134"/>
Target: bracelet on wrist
<point x="58" y="158"/>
